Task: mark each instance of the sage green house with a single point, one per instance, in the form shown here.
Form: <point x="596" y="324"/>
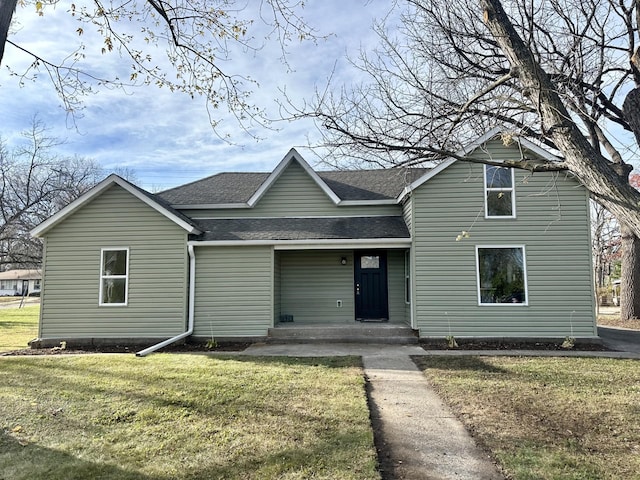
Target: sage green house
<point x="463" y="249"/>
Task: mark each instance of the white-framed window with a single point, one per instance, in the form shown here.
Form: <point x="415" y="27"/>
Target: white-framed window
<point x="114" y="276"/>
<point x="502" y="275"/>
<point x="500" y="195"/>
<point x="407" y="277"/>
<point x="8" y="284"/>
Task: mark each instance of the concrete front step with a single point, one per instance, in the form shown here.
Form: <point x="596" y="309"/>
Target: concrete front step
<point x="357" y="333"/>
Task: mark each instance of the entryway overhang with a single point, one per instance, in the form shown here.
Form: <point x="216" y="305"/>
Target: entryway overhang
<point x="350" y="244"/>
<point x="305" y="232"/>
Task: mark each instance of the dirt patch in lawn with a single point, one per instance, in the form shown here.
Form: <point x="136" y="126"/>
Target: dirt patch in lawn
<point x="187" y="347"/>
<point x="507" y="345"/>
<point x="615" y="321"/>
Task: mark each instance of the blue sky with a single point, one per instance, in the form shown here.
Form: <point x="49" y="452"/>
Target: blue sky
<point x="166" y="137"/>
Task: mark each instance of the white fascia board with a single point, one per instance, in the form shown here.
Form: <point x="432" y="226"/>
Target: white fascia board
<point x="538" y="150"/>
<point x="430" y="174"/>
<point x="99" y="189"/>
<point x="494" y="132"/>
<point x="326" y="244"/>
<point x="284" y="163"/>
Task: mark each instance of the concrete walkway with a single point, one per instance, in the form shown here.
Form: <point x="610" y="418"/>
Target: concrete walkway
<point x="423" y="438"/>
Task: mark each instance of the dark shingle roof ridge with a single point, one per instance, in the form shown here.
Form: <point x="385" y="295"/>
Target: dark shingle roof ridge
<point x="395" y="168"/>
<point x="204" y="179"/>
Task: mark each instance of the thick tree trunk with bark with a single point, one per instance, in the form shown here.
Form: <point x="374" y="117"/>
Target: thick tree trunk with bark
<point x="629" y="295"/>
<point x="7" y="7"/>
<point x="607" y="181"/>
<point x="594" y="171"/>
<point x="630" y="277"/>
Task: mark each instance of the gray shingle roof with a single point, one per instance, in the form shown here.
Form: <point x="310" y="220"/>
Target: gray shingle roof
<point x="225" y="188"/>
<point x="380" y="184"/>
<point x="222" y="188"/>
<point x="303" y="228"/>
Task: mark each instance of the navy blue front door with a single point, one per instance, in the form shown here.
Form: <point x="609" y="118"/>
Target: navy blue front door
<point x="371" y="285"/>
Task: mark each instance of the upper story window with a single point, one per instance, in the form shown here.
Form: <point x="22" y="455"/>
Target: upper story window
<point x="500" y="198"/>
<point x="114" y="276"/>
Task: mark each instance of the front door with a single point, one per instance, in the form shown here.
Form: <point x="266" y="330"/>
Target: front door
<point x="371" y="286"/>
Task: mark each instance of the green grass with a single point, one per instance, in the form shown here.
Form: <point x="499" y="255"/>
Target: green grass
<point x="547" y="418"/>
<point x="17" y="327"/>
<point x="183" y="416"/>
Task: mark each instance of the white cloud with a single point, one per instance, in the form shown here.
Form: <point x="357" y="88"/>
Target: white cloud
<point x="166" y="137"/>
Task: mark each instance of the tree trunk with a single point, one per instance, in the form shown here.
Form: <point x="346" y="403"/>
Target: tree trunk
<point x="630" y="275"/>
<point x="7" y="7"/>
<point x="593" y="170"/>
<point x="629" y="294"/>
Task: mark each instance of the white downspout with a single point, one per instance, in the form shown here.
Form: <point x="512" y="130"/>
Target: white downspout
<point x="192" y="295"/>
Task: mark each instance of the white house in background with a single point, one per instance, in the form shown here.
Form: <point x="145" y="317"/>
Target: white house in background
<point x="20" y="282"/>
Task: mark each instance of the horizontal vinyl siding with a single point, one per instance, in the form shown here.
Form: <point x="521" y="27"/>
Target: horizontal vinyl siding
<point x="552" y="223"/>
<point x="395" y="282"/>
<point x="311" y="284"/>
<point x="157" y="272"/>
<point x="407" y="212"/>
<point x="276" y="286"/>
<point x="233" y="291"/>
<point x="313" y="281"/>
<point x="295" y="194"/>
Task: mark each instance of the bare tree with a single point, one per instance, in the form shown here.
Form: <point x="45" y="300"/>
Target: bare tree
<point x="605" y="244"/>
<point x="196" y="39"/>
<point x="34" y="184"/>
<point x="563" y="72"/>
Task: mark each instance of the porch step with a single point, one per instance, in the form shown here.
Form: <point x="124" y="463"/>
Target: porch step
<point x="358" y="333"/>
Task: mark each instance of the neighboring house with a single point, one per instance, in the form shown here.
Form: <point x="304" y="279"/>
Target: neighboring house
<point x="20" y="282"/>
<point x="237" y="254"/>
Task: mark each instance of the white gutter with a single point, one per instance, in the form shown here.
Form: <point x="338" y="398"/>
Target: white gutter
<point x="192" y="285"/>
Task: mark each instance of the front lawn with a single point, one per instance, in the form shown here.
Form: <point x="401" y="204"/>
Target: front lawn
<point x="183" y="416"/>
<point x="17" y="327"/>
<point x="547" y="418"/>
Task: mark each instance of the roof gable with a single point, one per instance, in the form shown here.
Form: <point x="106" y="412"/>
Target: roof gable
<point x="470" y="148"/>
<point x="149" y="199"/>
<point x="292" y="156"/>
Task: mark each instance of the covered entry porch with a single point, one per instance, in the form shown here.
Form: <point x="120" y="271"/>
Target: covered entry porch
<point x="341" y="286"/>
<point x="257" y="274"/>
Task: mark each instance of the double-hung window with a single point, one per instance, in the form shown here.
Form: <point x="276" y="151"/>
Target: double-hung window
<point x="114" y="276"/>
<point x="502" y="275"/>
<point x="500" y="198"/>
